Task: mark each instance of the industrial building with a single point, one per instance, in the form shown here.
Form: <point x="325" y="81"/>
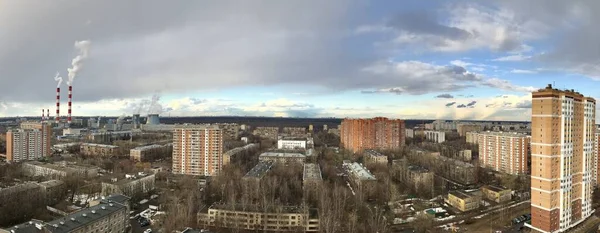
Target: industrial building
<point x="255" y="218"/>
<point x="357" y="135"/>
<point x="562" y="159"/>
<point x="191" y="159"/>
<point x="504" y="152"/>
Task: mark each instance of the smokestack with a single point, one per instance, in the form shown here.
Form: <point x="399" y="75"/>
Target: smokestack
<point x="57" y="105"/>
<point x="70" y="98"/>
<point x="48" y="115"/>
<point x="43" y="115"/>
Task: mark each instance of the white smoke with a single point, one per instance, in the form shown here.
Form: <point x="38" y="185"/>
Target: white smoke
<point x="77" y="62"/>
<point x="155" y="106"/>
<point x="58" y="79"/>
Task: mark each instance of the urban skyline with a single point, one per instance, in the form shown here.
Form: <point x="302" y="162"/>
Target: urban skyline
<point x="409" y="60"/>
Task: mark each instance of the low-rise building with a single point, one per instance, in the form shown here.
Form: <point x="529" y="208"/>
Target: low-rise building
<point x="106" y="217"/>
<point x="435" y="136"/>
<point x="472" y="137"/>
<point x="359" y="175"/>
<point x="291" y="144"/>
<point x="282" y="157"/>
<point x="231" y="131"/>
<point x="258" y="172"/>
<point x="93" y="149"/>
<point x="147" y="153"/>
<point x="466" y="155"/>
<point x="254" y="218"/>
<point x="410" y="133"/>
<point x="130" y="185"/>
<point x="295" y="131"/>
<point x="463" y="201"/>
<point x="53" y="190"/>
<point x="58" y="170"/>
<point x="311" y="177"/>
<point x="463" y="129"/>
<point x="237" y="151"/>
<point x="417" y="177"/>
<point x="373" y="156"/>
<point x="267" y="132"/>
<point x="496" y="194"/>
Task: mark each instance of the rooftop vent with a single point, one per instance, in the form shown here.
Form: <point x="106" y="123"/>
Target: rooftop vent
<point x="84" y="215"/>
<point x="93" y="211"/>
<point x="55" y="226"/>
<point x="62" y="223"/>
<point x="103" y="207"/>
<point x="73" y="219"/>
<point x="30" y="222"/>
<point x="110" y="204"/>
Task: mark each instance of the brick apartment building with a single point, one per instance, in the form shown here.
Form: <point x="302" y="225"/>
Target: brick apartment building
<point x="357" y="135"/>
<point x="562" y="159"/>
<point x="30" y="142"/>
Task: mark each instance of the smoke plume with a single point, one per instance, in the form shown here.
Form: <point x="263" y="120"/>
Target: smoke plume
<point x="77" y="62"/>
<point x="155" y="106"/>
<point x="58" y="79"/>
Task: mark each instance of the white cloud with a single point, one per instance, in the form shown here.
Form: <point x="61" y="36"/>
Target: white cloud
<point x="518" y="71"/>
<point x="518" y="57"/>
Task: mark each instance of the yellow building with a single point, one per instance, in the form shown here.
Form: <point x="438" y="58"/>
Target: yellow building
<point x="496" y="194"/>
<point x="463" y="201"/>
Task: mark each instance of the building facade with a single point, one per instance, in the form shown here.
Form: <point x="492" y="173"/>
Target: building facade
<point x="435" y="136"/>
<point x="596" y="174"/>
<point x="496" y="194"/>
<point x="289" y="144"/>
<point x="197" y="150"/>
<point x="357" y="135"/>
<point x="472" y="137"/>
<point x="130" y="185"/>
<point x="463" y="129"/>
<point x="504" y="152"/>
<point x="463" y="201"/>
<point x="93" y="149"/>
<point x="30" y="142"/>
<point x="144" y="153"/>
<point x="562" y="143"/>
<point x="373" y="156"/>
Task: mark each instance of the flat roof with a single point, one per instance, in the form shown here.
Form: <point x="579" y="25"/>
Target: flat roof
<point x="260" y="169"/>
<point x="505" y="134"/>
<point x="494" y="188"/>
<point x="148" y="147"/>
<point x="77" y="220"/>
<point x="196" y="126"/>
<point x="460" y="194"/>
<point x="123" y="180"/>
<point x="312" y="171"/>
<point x="240" y="149"/>
<point x="282" y="155"/>
<point x="418" y="169"/>
<point x="99" y="145"/>
<point x="374" y="153"/>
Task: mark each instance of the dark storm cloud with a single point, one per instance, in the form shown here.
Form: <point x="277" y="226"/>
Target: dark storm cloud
<point x="471" y="104"/>
<point x="461" y="106"/>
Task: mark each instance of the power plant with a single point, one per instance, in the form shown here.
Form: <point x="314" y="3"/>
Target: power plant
<point x="152" y="119"/>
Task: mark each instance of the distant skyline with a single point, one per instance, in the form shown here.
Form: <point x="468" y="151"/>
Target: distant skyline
<point x="463" y="60"/>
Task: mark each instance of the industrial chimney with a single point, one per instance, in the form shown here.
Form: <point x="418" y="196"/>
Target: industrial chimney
<point x="48" y="115"/>
<point x="69" y="111"/>
<point x="57" y="105"/>
<point x="43" y="115"/>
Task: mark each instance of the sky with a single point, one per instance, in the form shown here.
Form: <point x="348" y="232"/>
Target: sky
<point x="462" y="60"/>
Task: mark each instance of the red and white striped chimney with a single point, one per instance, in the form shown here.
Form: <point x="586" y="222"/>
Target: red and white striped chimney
<point x="43" y="115"/>
<point x="70" y="98"/>
<point x="48" y="115"/>
<point x="57" y="105"/>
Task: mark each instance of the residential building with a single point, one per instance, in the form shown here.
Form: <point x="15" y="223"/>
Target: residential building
<point x="410" y="133"/>
<point x="102" y="150"/>
<point x="504" y="152"/>
<point x="334" y="131"/>
<point x="472" y="137"/>
<point x="416" y="176"/>
<point x="562" y="159"/>
<point x="30" y="142"/>
<point x="282" y="157"/>
<point x="106" y="217"/>
<point x="463" y="201"/>
<point x="463" y="129"/>
<point x="596" y="175"/>
<point x="441" y="125"/>
<point x="373" y="156"/>
<point x="357" y="135"/>
<point x="267" y="132"/>
<point x="258" y="171"/>
<point x="435" y="136"/>
<point x="465" y="155"/>
<point x="255" y="218"/>
<point x="231" y="131"/>
<point x="311" y="177"/>
<point x="496" y="194"/>
<point x="291" y="144"/>
<point x="197" y="150"/>
<point x="360" y="176"/>
<point x="130" y="185"/>
<point x="58" y="170"/>
<point x="295" y="131"/>
<point x="238" y="151"/>
<point x="148" y="153"/>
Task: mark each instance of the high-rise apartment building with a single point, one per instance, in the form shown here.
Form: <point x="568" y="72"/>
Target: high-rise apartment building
<point x="197" y="150"/>
<point x="504" y="152"/>
<point x="377" y="133"/>
<point x="30" y="142"/>
<point x="596" y="175"/>
<point x="562" y="159"/>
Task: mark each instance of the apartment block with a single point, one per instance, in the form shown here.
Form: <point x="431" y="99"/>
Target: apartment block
<point x="130" y="185"/>
<point x="282" y="157"/>
<point x="472" y="137"/>
<point x="435" y="136"/>
<point x="238" y="151"/>
<point x="562" y="159"/>
<point x="417" y="177"/>
<point x="197" y="150"/>
<point x="463" y="129"/>
<point x="147" y="153"/>
<point x="255" y="218"/>
<point x="30" y="142"/>
<point x="102" y="150"/>
<point x="409" y="133"/>
<point x="357" y="135"/>
<point x="496" y="194"/>
<point x="106" y="217"/>
<point x="57" y="170"/>
<point x="360" y="176"/>
<point x="291" y="144"/>
<point x="267" y="132"/>
<point x="504" y="152"/>
<point x="372" y="156"/>
<point x="463" y="201"/>
<point x="311" y="176"/>
<point x="596" y="175"/>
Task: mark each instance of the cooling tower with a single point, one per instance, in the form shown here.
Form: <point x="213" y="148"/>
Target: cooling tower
<point x="136" y="121"/>
<point x="153" y="119"/>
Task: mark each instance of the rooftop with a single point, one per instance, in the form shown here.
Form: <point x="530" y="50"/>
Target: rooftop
<point x="148" y="147"/>
<point x="126" y="179"/>
<point x="312" y="171"/>
<point x="374" y="153"/>
<point x="359" y="171"/>
<point x="494" y="188"/>
<point x="282" y="155"/>
<point x="240" y="149"/>
<point x="83" y="217"/>
<point x="418" y="169"/>
<point x="507" y="134"/>
<point x="260" y="169"/>
<point x="200" y="126"/>
<point x="51" y="183"/>
<point x="99" y="145"/>
<point x="460" y="194"/>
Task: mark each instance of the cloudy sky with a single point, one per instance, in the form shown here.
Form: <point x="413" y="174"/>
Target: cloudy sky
<point x="336" y="58"/>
